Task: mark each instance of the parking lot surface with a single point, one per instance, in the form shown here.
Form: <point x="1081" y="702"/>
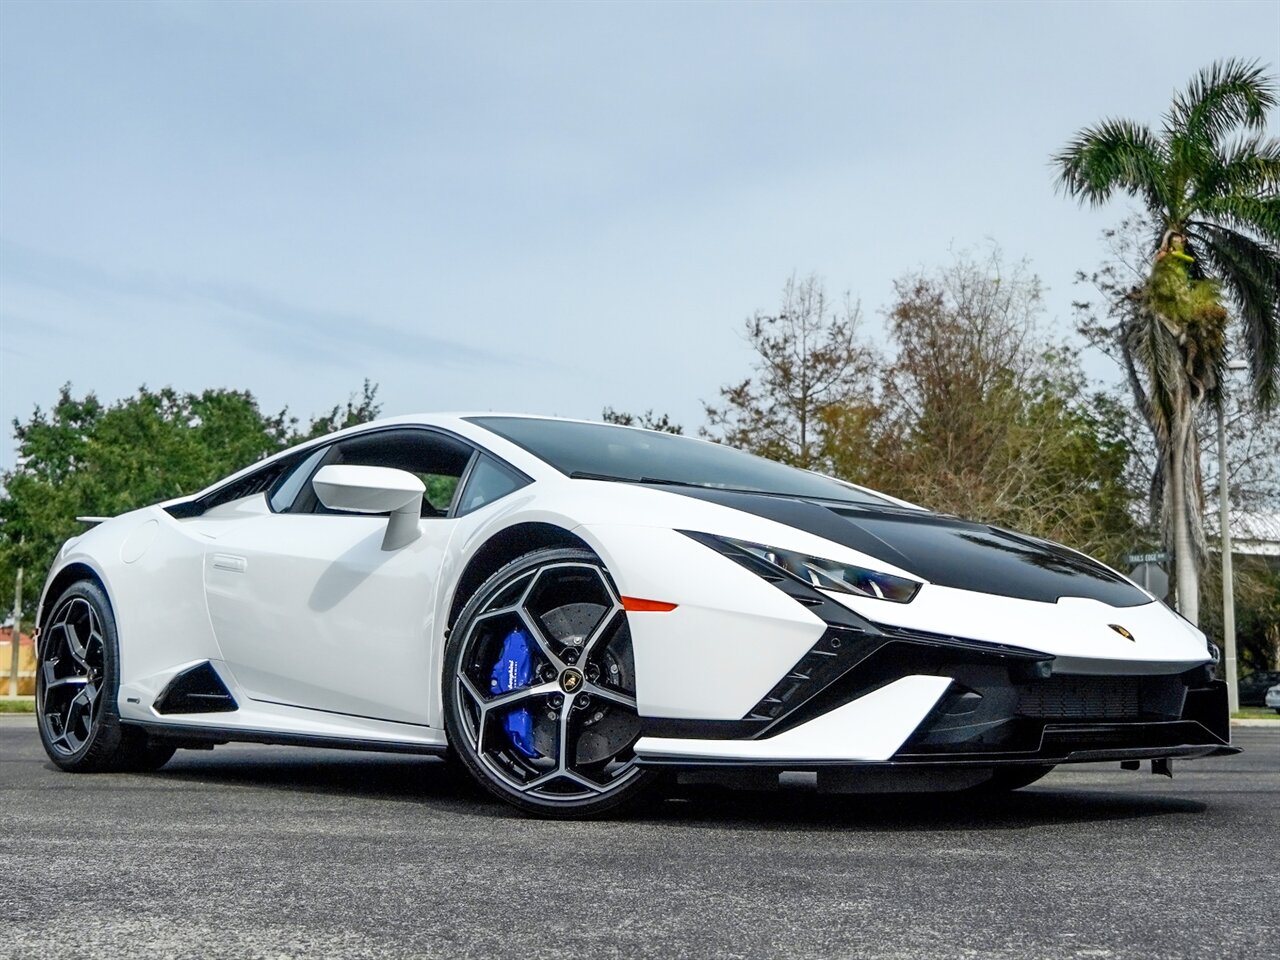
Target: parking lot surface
<point x="251" y="851"/>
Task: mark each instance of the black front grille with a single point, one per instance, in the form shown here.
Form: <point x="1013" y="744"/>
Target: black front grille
<point x="1071" y="697"/>
<point x="995" y="710"/>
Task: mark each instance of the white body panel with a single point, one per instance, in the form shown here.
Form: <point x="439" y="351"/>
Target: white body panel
<point x="723" y="626"/>
<point x="155" y="597"/>
<point x="309" y="610"/>
<point x="316" y="628"/>
<point x="256" y="717"/>
<point x="868" y="729"/>
<point x="1076" y="630"/>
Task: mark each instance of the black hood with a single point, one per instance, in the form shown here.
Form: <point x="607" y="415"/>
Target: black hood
<point x="943" y="550"/>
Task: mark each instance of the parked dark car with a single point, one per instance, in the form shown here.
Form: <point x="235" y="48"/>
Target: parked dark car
<point x="1253" y="688"/>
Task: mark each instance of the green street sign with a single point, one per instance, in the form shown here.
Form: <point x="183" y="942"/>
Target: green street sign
<point x="1156" y="556"/>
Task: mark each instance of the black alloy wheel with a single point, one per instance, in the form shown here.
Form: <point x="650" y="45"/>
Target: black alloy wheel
<point x="77" y="681"/>
<point x="539" y="691"/>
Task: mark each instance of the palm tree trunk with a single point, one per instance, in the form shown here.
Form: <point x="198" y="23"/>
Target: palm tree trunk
<point x="1184" y="553"/>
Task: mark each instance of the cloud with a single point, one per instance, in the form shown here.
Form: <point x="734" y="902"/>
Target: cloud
<point x="296" y="330"/>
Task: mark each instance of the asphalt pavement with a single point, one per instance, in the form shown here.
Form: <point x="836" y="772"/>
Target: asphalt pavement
<point x="272" y="852"/>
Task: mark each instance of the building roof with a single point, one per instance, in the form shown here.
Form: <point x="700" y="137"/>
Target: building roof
<point x="1255" y="533"/>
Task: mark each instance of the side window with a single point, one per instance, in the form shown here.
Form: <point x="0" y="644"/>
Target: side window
<point x="437" y="460"/>
<point x="259" y="481"/>
<point x="287" y="487"/>
<point x="489" y="481"/>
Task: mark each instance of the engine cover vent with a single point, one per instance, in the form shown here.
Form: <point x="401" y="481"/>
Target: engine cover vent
<point x="198" y="689"/>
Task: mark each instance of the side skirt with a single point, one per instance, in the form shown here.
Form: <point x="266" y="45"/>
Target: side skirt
<point x="205" y="736"/>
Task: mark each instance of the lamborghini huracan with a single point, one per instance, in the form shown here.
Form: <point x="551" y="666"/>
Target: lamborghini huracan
<point x="571" y="612"/>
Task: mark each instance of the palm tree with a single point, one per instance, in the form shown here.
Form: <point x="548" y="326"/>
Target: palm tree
<point x="1210" y="183"/>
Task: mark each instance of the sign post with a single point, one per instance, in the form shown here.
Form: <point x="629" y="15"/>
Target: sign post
<point x="17" y="636"/>
<point x="1152" y="577"/>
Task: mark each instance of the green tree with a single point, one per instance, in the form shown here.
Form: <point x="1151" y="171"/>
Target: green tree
<point x="971" y="412"/>
<point x="808" y="358"/>
<point x="1208" y="181"/>
<point x="358" y="409"/>
<point x="648" y="420"/>
<point x="1257" y="610"/>
<point x="977" y="414"/>
<point x="84" y="458"/>
<point x="1252" y="455"/>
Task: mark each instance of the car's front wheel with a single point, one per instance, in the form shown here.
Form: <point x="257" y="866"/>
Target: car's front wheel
<point x="539" y="691"/>
<point x="77" y="682"/>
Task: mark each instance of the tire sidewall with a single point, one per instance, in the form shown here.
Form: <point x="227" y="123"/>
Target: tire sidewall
<point x="105" y="736"/>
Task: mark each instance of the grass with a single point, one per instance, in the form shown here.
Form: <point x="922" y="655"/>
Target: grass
<point x="1255" y="713"/>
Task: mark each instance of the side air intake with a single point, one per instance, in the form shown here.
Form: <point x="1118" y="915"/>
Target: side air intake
<point x="198" y="689"/>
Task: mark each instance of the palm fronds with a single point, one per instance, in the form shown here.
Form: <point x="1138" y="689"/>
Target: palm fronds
<point x="1250" y="272"/>
<point x="1223" y="96"/>
<point x="1115" y="155"/>
<point x="1210" y="181"/>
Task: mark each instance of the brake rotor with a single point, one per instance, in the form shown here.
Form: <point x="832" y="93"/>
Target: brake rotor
<point x="605" y="728"/>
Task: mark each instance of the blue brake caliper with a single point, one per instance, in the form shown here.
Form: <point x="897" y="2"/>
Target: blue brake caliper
<point x="513" y="671"/>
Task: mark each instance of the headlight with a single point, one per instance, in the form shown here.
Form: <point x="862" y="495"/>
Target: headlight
<point x="833" y="575"/>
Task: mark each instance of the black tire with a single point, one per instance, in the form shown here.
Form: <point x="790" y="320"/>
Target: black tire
<point x="581" y="695"/>
<point x="1007" y="779"/>
<point x="77" y="684"/>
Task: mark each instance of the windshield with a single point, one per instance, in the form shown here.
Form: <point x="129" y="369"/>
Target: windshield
<point x="603" y="452"/>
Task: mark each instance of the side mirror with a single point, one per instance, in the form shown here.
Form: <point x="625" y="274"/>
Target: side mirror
<point x="375" y="490"/>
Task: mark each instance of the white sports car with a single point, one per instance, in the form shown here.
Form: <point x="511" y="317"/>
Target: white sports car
<point x="571" y="609"/>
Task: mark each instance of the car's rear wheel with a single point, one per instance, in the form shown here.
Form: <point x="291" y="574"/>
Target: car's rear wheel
<point x="77" y="682"/>
<point x="539" y="692"/>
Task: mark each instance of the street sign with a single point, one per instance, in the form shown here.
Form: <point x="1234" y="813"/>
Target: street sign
<point x="1155" y="556"/>
<point x="1153" y="579"/>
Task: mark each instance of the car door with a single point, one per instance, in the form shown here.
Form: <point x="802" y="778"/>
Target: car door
<point x="308" y="608"/>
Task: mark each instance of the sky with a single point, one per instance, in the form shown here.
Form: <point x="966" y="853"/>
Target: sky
<point x="545" y="208"/>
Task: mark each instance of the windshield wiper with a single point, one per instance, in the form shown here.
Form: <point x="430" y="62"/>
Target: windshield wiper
<point x="666" y="481"/>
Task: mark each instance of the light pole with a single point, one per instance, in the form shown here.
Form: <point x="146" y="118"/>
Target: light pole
<point x="1224" y="531"/>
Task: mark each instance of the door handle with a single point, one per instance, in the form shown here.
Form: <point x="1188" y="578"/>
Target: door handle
<point x="229" y="562"/>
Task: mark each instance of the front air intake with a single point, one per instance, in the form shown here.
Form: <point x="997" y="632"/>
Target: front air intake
<point x="1102" y="698"/>
<point x="197" y="689"/>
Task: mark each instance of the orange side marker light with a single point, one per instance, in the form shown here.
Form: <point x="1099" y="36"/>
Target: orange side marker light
<point x="636" y="605"/>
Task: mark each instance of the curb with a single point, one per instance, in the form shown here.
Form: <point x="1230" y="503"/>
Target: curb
<point x="1258" y="723"/>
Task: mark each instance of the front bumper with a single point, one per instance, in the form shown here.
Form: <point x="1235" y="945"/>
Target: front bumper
<point x="872" y="695"/>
